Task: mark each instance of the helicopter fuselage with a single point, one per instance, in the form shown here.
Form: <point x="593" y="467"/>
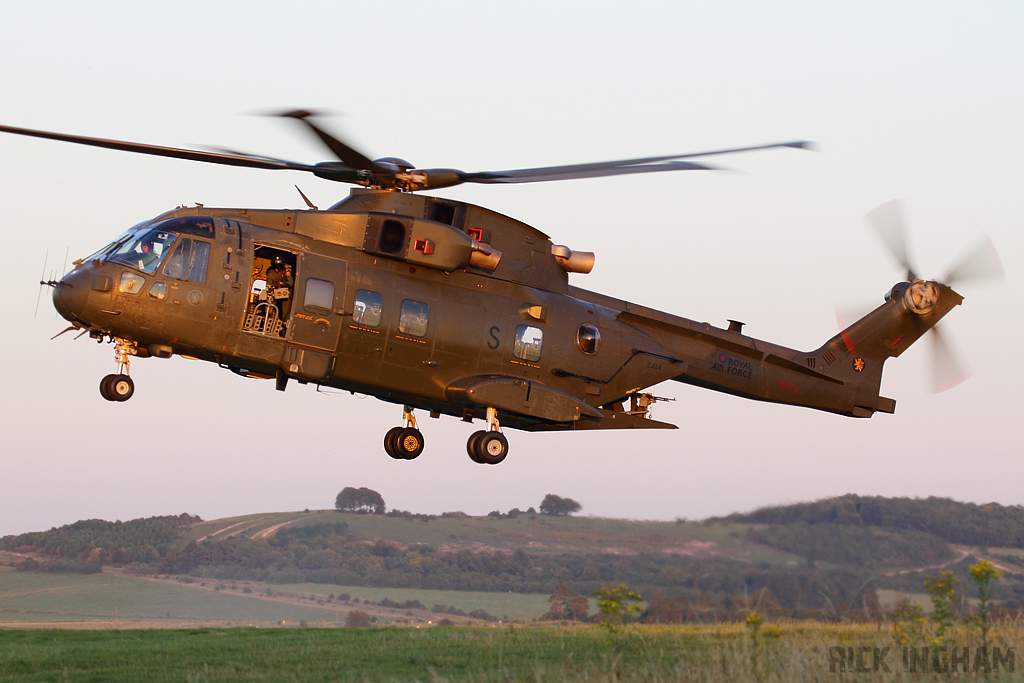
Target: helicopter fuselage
<point x="446" y="307"/>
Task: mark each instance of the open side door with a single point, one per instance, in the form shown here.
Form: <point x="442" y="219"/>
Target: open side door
<point x="317" y="308"/>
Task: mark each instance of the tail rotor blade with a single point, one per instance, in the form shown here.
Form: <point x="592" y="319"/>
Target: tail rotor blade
<point x="947" y="371"/>
<point x="887" y="220"/>
<point x="981" y="264"/>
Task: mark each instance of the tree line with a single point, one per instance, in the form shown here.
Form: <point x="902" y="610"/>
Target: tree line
<point x="990" y="524"/>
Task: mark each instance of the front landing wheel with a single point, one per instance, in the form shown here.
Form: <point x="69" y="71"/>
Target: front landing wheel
<point x="121" y="387"/>
<point x="105" y="387"/>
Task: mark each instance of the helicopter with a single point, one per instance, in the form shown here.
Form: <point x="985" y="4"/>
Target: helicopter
<point x="447" y="307"/>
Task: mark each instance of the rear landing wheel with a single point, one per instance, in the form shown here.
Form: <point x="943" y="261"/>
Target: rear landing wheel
<point x="488" y="448"/>
<point x="389" y="443"/>
<point x="471" y="446"/>
<point x="408" y="443"/>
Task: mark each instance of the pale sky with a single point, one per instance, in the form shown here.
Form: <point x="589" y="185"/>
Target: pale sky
<point x="920" y="100"/>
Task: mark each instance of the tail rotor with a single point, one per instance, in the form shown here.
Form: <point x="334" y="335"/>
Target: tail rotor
<point x="981" y="264"/>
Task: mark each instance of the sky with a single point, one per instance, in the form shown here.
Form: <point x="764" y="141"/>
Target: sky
<point x="919" y="100"/>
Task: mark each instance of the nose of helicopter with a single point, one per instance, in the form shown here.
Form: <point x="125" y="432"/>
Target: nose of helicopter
<point x="71" y="295"/>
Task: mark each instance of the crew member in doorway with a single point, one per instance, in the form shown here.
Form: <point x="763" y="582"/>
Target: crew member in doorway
<point x="281" y="283"/>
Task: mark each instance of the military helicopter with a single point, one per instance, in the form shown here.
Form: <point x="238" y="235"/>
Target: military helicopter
<point x="445" y="307"/>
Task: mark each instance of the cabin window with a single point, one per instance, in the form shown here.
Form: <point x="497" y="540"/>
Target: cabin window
<point x="319" y="294"/>
<point x="414" y="318"/>
<point x="367" y="308"/>
<point x="588" y="338"/>
<point x="131" y="283"/>
<point x="392" y="237"/>
<point x="528" y="342"/>
<point x="158" y="291"/>
<point x="190" y="261"/>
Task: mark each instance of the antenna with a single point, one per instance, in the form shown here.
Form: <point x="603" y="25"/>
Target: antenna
<point x="41" y="282"/>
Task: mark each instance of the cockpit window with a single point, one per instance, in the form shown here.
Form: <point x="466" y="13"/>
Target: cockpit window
<point x="189" y="261"/>
<point x="144" y="251"/>
<point x="122" y="238"/>
<point x="200" y="226"/>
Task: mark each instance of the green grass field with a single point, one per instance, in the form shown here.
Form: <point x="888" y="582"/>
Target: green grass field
<point x="29" y="596"/>
<point x="521" y="606"/>
<point x="33" y="597"/>
<point x="788" y="652"/>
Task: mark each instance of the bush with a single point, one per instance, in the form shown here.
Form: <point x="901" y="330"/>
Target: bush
<point x="357" y="619"/>
<point x="556" y="505"/>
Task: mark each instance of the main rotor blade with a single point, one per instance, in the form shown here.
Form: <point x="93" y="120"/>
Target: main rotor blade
<point x="887" y="220"/>
<point x="578" y="170"/>
<point x="947" y="371"/>
<point x="172" y="152"/>
<point x="980" y="264"/>
<point x="348" y="155"/>
<point x="510" y="177"/>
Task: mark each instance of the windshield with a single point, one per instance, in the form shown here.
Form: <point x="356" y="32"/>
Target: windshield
<point x="116" y="243"/>
<point x="145" y="250"/>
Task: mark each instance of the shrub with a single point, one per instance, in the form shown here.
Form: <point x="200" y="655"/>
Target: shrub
<point x="556" y="505"/>
<point x="357" y="619"/>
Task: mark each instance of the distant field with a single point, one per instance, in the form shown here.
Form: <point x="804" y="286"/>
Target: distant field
<point x="795" y="653"/>
<point x="522" y="606"/>
<point x="30" y="596"/>
<point x="536" y="533"/>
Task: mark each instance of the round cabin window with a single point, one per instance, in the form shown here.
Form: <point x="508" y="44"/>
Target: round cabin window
<point x="588" y="338"/>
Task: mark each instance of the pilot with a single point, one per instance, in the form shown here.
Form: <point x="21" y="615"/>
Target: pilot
<point x="146" y="256"/>
<point x="279" y="277"/>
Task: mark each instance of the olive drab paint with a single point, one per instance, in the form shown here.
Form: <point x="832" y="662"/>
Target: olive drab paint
<point x="442" y="306"/>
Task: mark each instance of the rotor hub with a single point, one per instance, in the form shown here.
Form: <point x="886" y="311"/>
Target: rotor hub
<point x="922" y="296"/>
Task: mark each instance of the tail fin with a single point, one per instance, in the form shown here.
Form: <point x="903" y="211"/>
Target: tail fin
<point x="856" y="355"/>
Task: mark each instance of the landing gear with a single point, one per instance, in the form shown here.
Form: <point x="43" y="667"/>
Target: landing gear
<point x="406" y="442"/>
<point x="117" y="387"/>
<point x="120" y="387"/>
<point x="488" y="447"/>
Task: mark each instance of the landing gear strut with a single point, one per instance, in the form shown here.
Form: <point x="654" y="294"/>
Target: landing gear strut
<point x="120" y="387"/>
<point x="405" y="442"/>
<point x="488" y="447"/>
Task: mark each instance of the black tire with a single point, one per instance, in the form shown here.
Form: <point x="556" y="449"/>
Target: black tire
<point x="389" y="443"/>
<point x="491" y="448"/>
<point x="121" y="388"/>
<point x="409" y="443"/>
<point x="105" y="387"/>
<point x="471" y="446"/>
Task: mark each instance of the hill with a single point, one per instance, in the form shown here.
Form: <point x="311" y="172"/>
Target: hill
<point x="826" y="558"/>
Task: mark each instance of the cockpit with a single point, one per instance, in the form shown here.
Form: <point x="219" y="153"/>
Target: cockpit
<point x="145" y="246"/>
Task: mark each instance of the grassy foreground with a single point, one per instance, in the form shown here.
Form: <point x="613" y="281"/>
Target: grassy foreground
<point x="790" y="652"/>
